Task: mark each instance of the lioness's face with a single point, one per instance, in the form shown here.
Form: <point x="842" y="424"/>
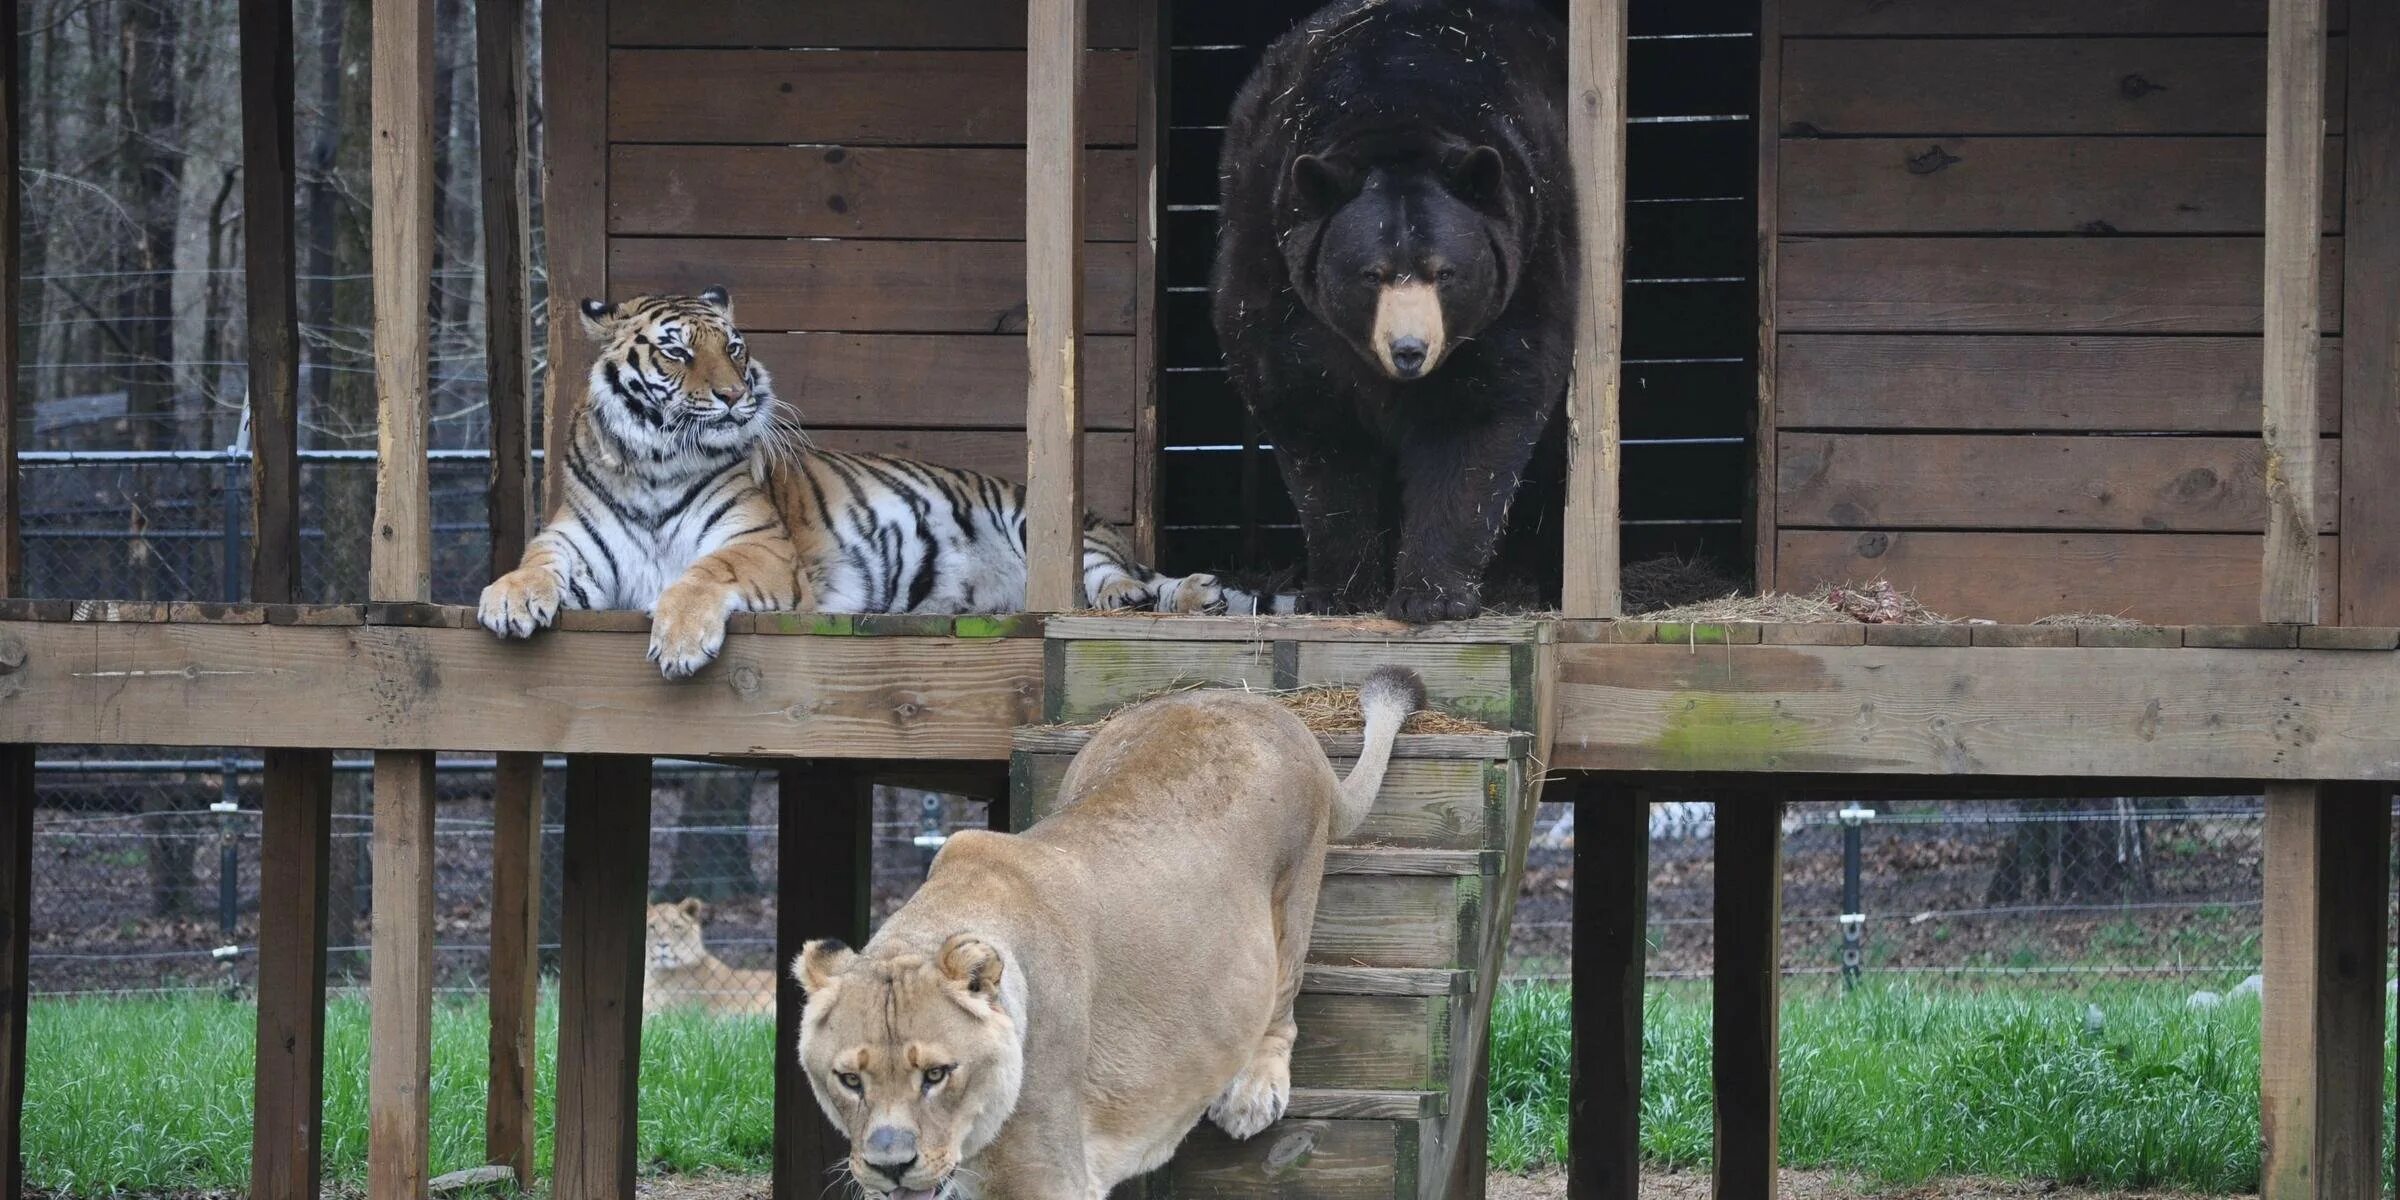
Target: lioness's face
<point x="917" y="1059"/>
<point x="675" y="939"/>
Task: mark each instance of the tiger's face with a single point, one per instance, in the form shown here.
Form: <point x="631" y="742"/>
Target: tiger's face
<point x="674" y="374"/>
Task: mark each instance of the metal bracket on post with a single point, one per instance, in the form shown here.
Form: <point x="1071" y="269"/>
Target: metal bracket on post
<point x="1853" y="917"/>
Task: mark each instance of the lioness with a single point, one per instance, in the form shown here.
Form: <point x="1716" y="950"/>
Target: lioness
<point x="1054" y="1010"/>
<point x="681" y="973"/>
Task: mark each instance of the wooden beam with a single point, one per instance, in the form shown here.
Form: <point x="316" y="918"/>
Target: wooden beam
<point x="12" y="133"/>
<point x="287" y="1134"/>
<point x="2294" y="331"/>
<point x="509" y="1127"/>
<point x="1764" y="450"/>
<point x="400" y="979"/>
<point x="1612" y="904"/>
<point x="271" y="287"/>
<point x="1749" y="988"/>
<point x="507" y="235"/>
<point x="1994" y="712"/>
<point x="401" y="566"/>
<point x="825" y="856"/>
<point x="1596" y="143"/>
<point x="1054" y="42"/>
<point x="606" y="888"/>
<point x="17" y="800"/>
<point x="574" y="208"/>
<point x="1152" y="18"/>
<point x="2370" y="583"/>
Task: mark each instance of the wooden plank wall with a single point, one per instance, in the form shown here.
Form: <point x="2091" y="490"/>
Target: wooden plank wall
<point x="856" y="175"/>
<point x="2015" y="243"/>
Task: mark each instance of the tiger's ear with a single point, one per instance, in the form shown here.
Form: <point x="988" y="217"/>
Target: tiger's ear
<point x="694" y="907"/>
<point x="821" y="962"/>
<point x="718" y="298"/>
<point x="598" y="316"/>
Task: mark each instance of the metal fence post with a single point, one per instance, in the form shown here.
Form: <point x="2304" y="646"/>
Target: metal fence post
<point x="1853" y="915"/>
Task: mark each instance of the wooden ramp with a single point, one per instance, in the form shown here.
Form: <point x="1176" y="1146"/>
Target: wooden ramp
<point x="1388" y="1075"/>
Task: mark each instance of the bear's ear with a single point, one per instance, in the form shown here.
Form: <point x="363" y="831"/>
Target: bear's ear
<point x="1321" y="185"/>
<point x="1480" y="178"/>
<point x="821" y="962"/>
<point x="598" y="315"/>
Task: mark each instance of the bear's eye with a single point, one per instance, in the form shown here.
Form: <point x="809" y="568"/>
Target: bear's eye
<point x="1373" y="275"/>
<point x="1445" y="275"/>
<point x="934" y="1075"/>
<point x="853" y="1082"/>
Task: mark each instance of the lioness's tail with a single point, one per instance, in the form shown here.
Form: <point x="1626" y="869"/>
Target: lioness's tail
<point x="1386" y="699"/>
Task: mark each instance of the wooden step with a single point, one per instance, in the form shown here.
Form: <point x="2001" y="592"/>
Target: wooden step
<point x="1340" y="1104"/>
<point x="1304" y="1158"/>
<point x="1374" y="1042"/>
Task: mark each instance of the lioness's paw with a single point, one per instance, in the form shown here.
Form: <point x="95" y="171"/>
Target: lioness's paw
<point x="1191" y="594"/>
<point x="687" y="630"/>
<point x="1123" y="591"/>
<point x="1256" y="1098"/>
<point x="519" y="602"/>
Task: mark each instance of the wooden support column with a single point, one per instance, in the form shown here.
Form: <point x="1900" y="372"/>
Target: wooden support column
<point x="1611" y="943"/>
<point x="1764" y="443"/>
<point x="606" y="887"/>
<point x="500" y="66"/>
<point x="825" y="819"/>
<point x="574" y="208"/>
<point x="1054" y="41"/>
<point x="2370" y="587"/>
<point x="1596" y="145"/>
<point x="1152" y="18"/>
<point x="2328" y="868"/>
<point x="1749" y="980"/>
<point x="2295" y="180"/>
<point x="295" y="841"/>
<point x="16" y="922"/>
<point x="12" y="129"/>
<point x="272" y="298"/>
<point x="400" y="986"/>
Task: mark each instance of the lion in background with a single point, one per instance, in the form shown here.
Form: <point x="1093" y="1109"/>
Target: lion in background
<point x="1054" y="1010"/>
<point x="679" y="972"/>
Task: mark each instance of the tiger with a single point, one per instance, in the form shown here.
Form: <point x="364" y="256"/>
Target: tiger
<point x="691" y="493"/>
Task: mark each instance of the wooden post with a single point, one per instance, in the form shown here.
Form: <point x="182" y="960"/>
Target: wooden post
<point x="2328" y="863"/>
<point x="574" y="208"/>
<point x="1749" y="981"/>
<point x="825" y="819"/>
<point x="2295" y="183"/>
<point x="509" y="1128"/>
<point x="1763" y="444"/>
<point x="400" y="979"/>
<point x="1612" y="905"/>
<point x="2370" y="586"/>
<point x="295" y="841"/>
<point x="12" y="130"/>
<point x="1596" y="145"/>
<point x="1152" y="18"/>
<point x="16" y="935"/>
<point x="1054" y="41"/>
<point x="273" y="305"/>
<point x="606" y="887"/>
<point x="400" y="986"/>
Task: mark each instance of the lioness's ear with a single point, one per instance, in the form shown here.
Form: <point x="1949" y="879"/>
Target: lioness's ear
<point x="821" y="962"/>
<point x="694" y="907"/>
<point x="972" y="961"/>
<point x="598" y="315"/>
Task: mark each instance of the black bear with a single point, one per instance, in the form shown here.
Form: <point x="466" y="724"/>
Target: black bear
<point x="1394" y="286"/>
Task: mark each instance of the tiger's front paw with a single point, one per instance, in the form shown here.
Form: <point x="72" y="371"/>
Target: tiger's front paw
<point x="687" y="630"/>
<point x="1122" y="592"/>
<point x="519" y="602"/>
<point x="1191" y="594"/>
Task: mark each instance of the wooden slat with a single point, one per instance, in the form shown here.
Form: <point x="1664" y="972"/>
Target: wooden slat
<point x="509" y="1128"/>
<point x="2289" y="1041"/>
<point x="2295" y="282"/>
<point x="287" y="1132"/>
<point x="2062" y="384"/>
<point x="1140" y="626"/>
<point x="1596" y="84"/>
<point x="1480" y="683"/>
<point x="500" y="83"/>
<point x="387" y="688"/>
<point x="271" y="302"/>
<point x="1353" y="1104"/>
<point x="825" y="859"/>
<point x="2112" y="714"/>
<point x="871" y="287"/>
<point x="16" y="930"/>
<point x="2353" y="952"/>
<point x="1612" y="859"/>
<point x="2193" y="579"/>
<point x="843" y="191"/>
<point x="1054" y="280"/>
<point x="1383" y="981"/>
<point x="2125" y="185"/>
<point x="1902" y="86"/>
<point x="400" y="978"/>
<point x="1765" y="132"/>
<point x="12" y="549"/>
<point x="401" y="566"/>
<point x="1932" y="481"/>
<point x="2029" y="285"/>
<point x="1151" y="119"/>
<point x="1371" y="1042"/>
<point x="1425" y="802"/>
<point x="1748" y="976"/>
<point x="1870" y="18"/>
<point x="939" y="381"/>
<point x="1298" y="1157"/>
<point x="605" y="888"/>
<point x="1107" y="460"/>
<point x="575" y="107"/>
<point x="2370" y="361"/>
<point x="864" y="97"/>
<point x="1390" y="921"/>
<point x="944" y="24"/>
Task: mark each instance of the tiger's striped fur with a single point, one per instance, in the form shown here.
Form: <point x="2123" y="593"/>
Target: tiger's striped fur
<point x="691" y="494"/>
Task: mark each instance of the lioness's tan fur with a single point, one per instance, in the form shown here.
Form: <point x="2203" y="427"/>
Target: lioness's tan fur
<point x="1053" y="1011"/>
<point x="679" y="972"/>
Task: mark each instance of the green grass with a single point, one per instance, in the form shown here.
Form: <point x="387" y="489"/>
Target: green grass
<point x="1893" y="1084"/>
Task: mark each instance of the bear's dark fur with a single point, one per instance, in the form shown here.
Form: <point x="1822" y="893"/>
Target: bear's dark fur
<point x="1395" y="283"/>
